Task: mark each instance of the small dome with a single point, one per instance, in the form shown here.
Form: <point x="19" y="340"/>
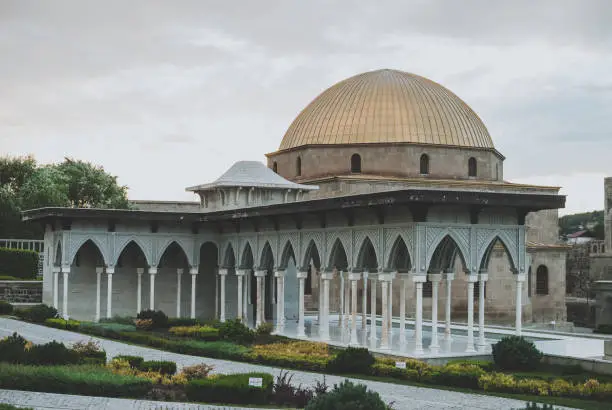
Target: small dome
<point x="387" y="106"/>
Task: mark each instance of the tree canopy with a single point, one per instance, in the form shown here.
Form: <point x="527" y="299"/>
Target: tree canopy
<point x="72" y="183"/>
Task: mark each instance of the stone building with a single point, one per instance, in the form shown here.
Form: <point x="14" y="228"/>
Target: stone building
<point x="386" y="197"/>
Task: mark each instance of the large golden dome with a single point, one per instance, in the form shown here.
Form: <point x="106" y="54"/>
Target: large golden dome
<point x="387" y="106"/>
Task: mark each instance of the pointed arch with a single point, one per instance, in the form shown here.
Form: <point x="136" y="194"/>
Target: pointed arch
<point x="312" y="254"/>
<point x="135" y="246"/>
<point x="399" y="258"/>
<point x="181" y="258"/>
<point x="484" y="254"/>
<point x="444" y="255"/>
<point x="136" y="241"/>
<point x="338" y="257"/>
<point x="229" y="258"/>
<point x="89" y="243"/>
<point x="462" y="246"/>
<point x="101" y="248"/>
<point x="246" y="259"/>
<point x="267" y="256"/>
<point x="167" y="244"/>
<point x="367" y="258"/>
<point x="287" y="255"/>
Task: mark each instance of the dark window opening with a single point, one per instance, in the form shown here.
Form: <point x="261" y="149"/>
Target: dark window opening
<point x="356" y="163"/>
<point x="275" y="167"/>
<point x="424" y="168"/>
<point x="542" y="280"/>
<point x="298" y="166"/>
<point x="472" y="167"/>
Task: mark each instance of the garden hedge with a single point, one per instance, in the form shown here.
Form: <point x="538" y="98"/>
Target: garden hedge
<point x="19" y="263"/>
<point x="231" y="389"/>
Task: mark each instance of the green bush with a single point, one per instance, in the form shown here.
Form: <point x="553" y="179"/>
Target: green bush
<point x="52" y="353"/>
<point x="161" y="366"/>
<point x="59" y="323"/>
<point x="134" y="361"/>
<point x="5" y="308"/>
<point x="348" y="396"/>
<point x="604" y="329"/>
<point x="231" y="389"/>
<point x="236" y="331"/>
<point x="37" y="313"/>
<point x="182" y="321"/>
<point x="22" y="264"/>
<point x="516" y="353"/>
<point x="124" y="320"/>
<point x="12" y="349"/>
<point x="458" y="375"/>
<point x="353" y="360"/>
<point x="159" y="318"/>
<point x="82" y="380"/>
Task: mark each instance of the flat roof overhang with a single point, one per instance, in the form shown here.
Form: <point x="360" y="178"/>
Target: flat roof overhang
<point x="416" y="198"/>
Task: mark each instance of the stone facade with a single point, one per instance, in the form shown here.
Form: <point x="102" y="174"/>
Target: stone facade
<point x="21" y="291"/>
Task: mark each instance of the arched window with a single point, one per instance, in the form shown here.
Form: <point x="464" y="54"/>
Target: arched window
<point x="472" y="167"/>
<point x="424" y="169"/>
<point x="542" y="280"/>
<point x="356" y="163"/>
<point x="298" y="166"/>
<point x="275" y="167"/>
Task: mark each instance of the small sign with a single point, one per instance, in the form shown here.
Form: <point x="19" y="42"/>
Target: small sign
<point x="258" y="381"/>
<point x="400" y="365"/>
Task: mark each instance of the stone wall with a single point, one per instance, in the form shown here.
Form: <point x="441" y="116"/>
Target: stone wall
<point x="21" y="291"/>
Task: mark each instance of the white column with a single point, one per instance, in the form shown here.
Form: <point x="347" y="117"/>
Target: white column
<point x="194" y="274"/>
<point x="260" y="315"/>
<point x="470" y="325"/>
<point x="373" y="311"/>
<point x="390" y="308"/>
<point x="152" y="273"/>
<point x="99" y="271"/>
<point x="364" y="303"/>
<point x="384" y="288"/>
<point x="321" y="298"/>
<point x="324" y="324"/>
<point x="139" y="271"/>
<point x="418" y="328"/>
<point x="179" y="279"/>
<point x="56" y="271"/>
<point x="435" y="282"/>
<point x="280" y="295"/>
<point x="65" y="272"/>
<point x="341" y="311"/>
<point x="109" y="292"/>
<point x="402" y="324"/>
<point x="246" y="288"/>
<point x="520" y="278"/>
<point x="354" y="277"/>
<point x="222" y="275"/>
<point x="302" y="279"/>
<point x="240" y="274"/>
<point x="449" y="282"/>
<point x="347" y="302"/>
<point x="481" y="309"/>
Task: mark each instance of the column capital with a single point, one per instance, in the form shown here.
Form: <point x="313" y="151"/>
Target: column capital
<point x="483" y="277"/>
<point x="222" y="272"/>
<point x="302" y="274"/>
<point x="385" y="277"/>
<point x="110" y="270"/>
<point x="56" y="269"/>
<point x="354" y="276"/>
<point x="261" y="273"/>
<point x="419" y="277"/>
<point x="449" y="276"/>
<point x="140" y="271"/>
<point x="193" y="270"/>
<point x="520" y="277"/>
<point x="472" y="278"/>
<point x="65" y="269"/>
<point x="180" y="271"/>
<point x="280" y="273"/>
<point x="327" y="275"/>
<point x="241" y="272"/>
<point x="153" y="270"/>
<point x="99" y="270"/>
<point x="435" y="277"/>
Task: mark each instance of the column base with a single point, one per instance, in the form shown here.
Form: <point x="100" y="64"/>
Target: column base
<point x="434" y="349"/>
<point x="419" y="350"/>
<point x="470" y="349"/>
<point x="301" y="332"/>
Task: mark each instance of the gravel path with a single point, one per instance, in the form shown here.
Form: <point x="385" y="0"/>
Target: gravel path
<point x="404" y="397"/>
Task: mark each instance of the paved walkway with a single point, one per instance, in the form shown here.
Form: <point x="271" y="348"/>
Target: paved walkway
<point x="404" y="397"/>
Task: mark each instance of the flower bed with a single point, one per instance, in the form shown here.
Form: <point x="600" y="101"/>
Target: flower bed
<point x="197" y="332"/>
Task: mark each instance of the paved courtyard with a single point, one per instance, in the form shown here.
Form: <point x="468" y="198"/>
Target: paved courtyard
<point x="404" y="397"/>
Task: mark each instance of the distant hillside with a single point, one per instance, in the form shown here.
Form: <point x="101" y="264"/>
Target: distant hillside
<point x="591" y="221"/>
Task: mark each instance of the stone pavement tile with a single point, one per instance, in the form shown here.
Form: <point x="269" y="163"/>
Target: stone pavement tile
<point x="405" y="397"/>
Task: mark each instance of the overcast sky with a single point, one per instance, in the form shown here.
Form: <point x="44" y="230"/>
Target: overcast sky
<point x="169" y="94"/>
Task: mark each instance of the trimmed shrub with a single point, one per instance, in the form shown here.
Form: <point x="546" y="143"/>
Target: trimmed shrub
<point x="236" y="331"/>
<point x="52" y="353"/>
<point x="5" y="308"/>
<point x="59" y="323"/>
<point x="90" y="352"/>
<point x="604" y="329"/>
<point x="353" y="360"/>
<point x="159" y="318"/>
<point x="144" y="324"/>
<point x="182" y="321"/>
<point x="231" y="389"/>
<point x="197" y="371"/>
<point x="124" y="320"/>
<point x="458" y="375"/>
<point x="516" y="353"/>
<point x="12" y="349"/>
<point x="159" y="366"/>
<point x="134" y="361"/>
<point x="37" y="313"/>
<point x="22" y="264"/>
<point x="348" y="396"/>
<point x="196" y="332"/>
